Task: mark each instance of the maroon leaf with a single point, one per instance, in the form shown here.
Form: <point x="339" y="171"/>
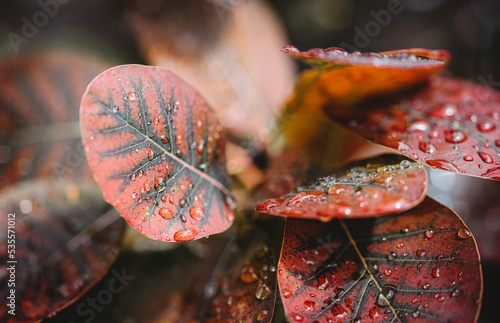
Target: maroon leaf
<point x="157" y="151"/>
<point x="39" y="130"/>
<point x="63" y="245"/>
<point x="452" y="125"/>
<point x="421" y="265"/>
<point x="243" y="284"/>
<point x="382" y="185"/>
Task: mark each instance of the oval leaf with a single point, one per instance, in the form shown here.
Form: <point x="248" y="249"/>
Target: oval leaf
<point x="421" y="266"/>
<point x="63" y="244"/>
<point x="157" y="151"/>
<point x="383" y="185"/>
<point x="452" y="125"/>
<point x="39" y="130"/>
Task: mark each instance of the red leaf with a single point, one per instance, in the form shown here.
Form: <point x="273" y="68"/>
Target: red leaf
<point x="421" y="265"/>
<point x="157" y="151"/>
<point x="64" y="244"/>
<point x="243" y="284"/>
<point x="383" y="185"/>
<point x="452" y="125"/>
<point x="39" y="130"/>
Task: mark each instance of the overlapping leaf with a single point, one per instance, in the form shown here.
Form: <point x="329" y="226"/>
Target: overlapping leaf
<point x="343" y="80"/>
<point x="217" y="47"/>
<point x="39" y="130"/>
<point x="157" y="151"/>
<point x="63" y="245"/>
<point x="243" y="284"/>
<point x="452" y="125"/>
<point x="418" y="266"/>
<point x="383" y="185"/>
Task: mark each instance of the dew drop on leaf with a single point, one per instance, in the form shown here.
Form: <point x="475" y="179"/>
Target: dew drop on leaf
<point x="464" y="234"/>
<point x="420" y="253"/>
<point x="486" y="126"/>
<point x="116" y="109"/>
<point x="197" y="213"/>
<point x="386" y="296"/>
<point x="186" y="234"/>
<point x="485" y="157"/>
<point x="287" y="293"/>
<point x="436" y="272"/>
<point x="166" y="213"/>
<point x="426" y="147"/>
<point x="455" y="136"/>
<point x="182" y="202"/>
<point x="404" y="164"/>
<point x="468" y="158"/>
<point x="262" y="292"/>
<point x="262" y="315"/>
<point x="429" y="234"/>
<point x="131" y="96"/>
<point x="249" y="274"/>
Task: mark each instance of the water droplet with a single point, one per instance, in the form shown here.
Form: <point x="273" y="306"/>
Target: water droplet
<point x="183" y="202"/>
<point x="404" y="164"/>
<point x="455" y="136"/>
<point x="404" y="229"/>
<point x="429" y="234"/>
<point x="464" y="234"/>
<point x="134" y="195"/>
<point x="186" y="234"/>
<point x="444" y="111"/>
<point x="159" y="183"/>
<point x="132" y="177"/>
<point x="309" y="305"/>
<point x="468" y="158"/>
<point x="197" y="213"/>
<point x="388" y="272"/>
<point x="391" y="255"/>
<point x="179" y="139"/>
<point x="131" y="96"/>
<point x="497" y="142"/>
<point x="426" y="286"/>
<point x="163" y="198"/>
<point x="166" y="213"/>
<point x="140" y="173"/>
<point x="420" y="253"/>
<point x="116" y="109"/>
<point x="486" y="126"/>
<point x="373" y="313"/>
<point x="455" y="292"/>
<point x="426" y="147"/>
<point x="436" y="272"/>
<point x="164" y="139"/>
<point x="262" y="315"/>
<point x="268" y="205"/>
<point x="249" y="274"/>
<point x="415" y="314"/>
<point x="151" y="154"/>
<point x="287" y="293"/>
<point x="400" y="245"/>
<point x="358" y="174"/>
<point x="420" y="125"/>
<point x="485" y="157"/>
<point x="147" y="187"/>
<point x="297" y="317"/>
<point x="262" y="292"/>
<point x="386" y="296"/>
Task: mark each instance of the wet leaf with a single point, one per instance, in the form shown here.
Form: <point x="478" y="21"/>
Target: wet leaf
<point x="342" y="81"/>
<point x="157" y="151"/>
<point x="39" y="130"/>
<point x="217" y="47"/>
<point x="243" y="284"/>
<point x="64" y="244"/>
<point x="421" y="265"/>
<point x="452" y="125"/>
<point x="382" y="185"/>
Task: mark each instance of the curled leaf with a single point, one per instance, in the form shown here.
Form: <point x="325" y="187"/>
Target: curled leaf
<point x="342" y="81"/>
<point x="65" y="241"/>
<point x="383" y="185"/>
<point x="157" y="151"/>
<point x="421" y="265"/>
<point x="452" y="125"/>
